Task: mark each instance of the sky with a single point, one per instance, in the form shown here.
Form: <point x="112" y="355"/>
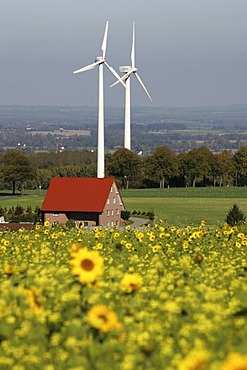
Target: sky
<point x="188" y="52"/>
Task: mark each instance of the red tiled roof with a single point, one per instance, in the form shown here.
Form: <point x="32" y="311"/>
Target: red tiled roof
<point x="77" y="194"/>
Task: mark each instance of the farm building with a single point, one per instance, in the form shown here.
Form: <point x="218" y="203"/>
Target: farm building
<point x="86" y="201"/>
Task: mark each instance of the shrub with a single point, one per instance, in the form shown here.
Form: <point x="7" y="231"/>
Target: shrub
<point x="19" y="210"/>
<point x="150" y="215"/>
<point x="125" y="215"/>
<point x="235" y="216"/>
<point x="70" y="224"/>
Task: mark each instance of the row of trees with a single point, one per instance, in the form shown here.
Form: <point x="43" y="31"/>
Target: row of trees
<point x="162" y="168"/>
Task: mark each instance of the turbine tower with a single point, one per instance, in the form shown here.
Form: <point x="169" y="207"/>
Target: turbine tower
<point x="128" y="70"/>
<point x="100" y="61"/>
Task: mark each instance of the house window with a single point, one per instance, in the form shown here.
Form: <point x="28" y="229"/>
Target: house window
<point x="112" y="223"/>
<point x="116" y="222"/>
<point x="55" y="214"/>
<point x="117" y="212"/>
<point x="108" y="201"/>
<point x="112" y="212"/>
<point x="108" y="223"/>
<point x="111" y="190"/>
<point x="108" y="212"/>
<point x="114" y="200"/>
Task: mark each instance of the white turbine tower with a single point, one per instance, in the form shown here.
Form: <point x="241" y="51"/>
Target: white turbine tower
<point x="128" y="70"/>
<point x="100" y="61"/>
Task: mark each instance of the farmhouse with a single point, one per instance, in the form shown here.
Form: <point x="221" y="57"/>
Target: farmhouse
<point x="86" y="201"/>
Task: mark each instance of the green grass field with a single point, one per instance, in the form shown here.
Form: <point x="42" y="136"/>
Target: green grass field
<point x="33" y="198"/>
<point x="180" y="206"/>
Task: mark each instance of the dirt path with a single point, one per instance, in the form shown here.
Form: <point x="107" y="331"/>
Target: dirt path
<point x="137" y="221"/>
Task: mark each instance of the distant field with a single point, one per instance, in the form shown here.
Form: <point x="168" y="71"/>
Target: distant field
<point x="209" y="192"/>
<point x="33" y="198"/>
<point x="179" y="206"/>
<point x="63" y="132"/>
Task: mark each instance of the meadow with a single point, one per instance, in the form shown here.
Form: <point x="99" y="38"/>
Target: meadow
<point x="178" y="206"/>
<point x="161" y="297"/>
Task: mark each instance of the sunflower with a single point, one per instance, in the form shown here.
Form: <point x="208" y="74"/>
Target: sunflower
<point x="156" y="248"/>
<point x="33" y="300"/>
<point x="195" y="360"/>
<point x="103" y="319"/>
<point x="235" y="361"/>
<point x="185" y="244"/>
<point x="131" y="282"/>
<point x="88" y="265"/>
<point x="128" y="245"/>
<point x="240" y="235"/>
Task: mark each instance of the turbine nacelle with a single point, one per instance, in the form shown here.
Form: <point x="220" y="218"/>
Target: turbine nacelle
<point x="124" y="69"/>
<point x="99" y="60"/>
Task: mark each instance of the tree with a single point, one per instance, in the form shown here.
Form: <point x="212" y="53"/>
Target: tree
<point x="235" y="216"/>
<point x="240" y="162"/>
<point x="222" y="168"/>
<point x="16" y="167"/>
<point x="161" y="165"/>
<point x="124" y="165"/>
<point x="197" y="164"/>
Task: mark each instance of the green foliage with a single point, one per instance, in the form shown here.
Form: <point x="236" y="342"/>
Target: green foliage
<point x="70" y="224"/>
<point x="240" y="162"/>
<point x="151" y="215"/>
<point x="17" y="167"/>
<point x="161" y="165"/>
<point x="235" y="216"/>
<point x="123" y="164"/>
<point x="197" y="167"/>
<point x="20" y="214"/>
<point x="125" y="215"/>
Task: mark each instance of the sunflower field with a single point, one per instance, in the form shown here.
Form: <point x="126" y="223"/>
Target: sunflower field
<point x="157" y="298"/>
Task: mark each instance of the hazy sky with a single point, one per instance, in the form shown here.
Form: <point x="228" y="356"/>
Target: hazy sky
<point x="188" y="52"/>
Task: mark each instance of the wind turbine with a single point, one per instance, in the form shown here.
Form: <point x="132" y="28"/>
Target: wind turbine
<point x="128" y="70"/>
<point x="100" y="61"/>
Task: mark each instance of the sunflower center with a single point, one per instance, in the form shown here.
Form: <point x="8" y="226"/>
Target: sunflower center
<point x="102" y="318"/>
<point x="87" y="264"/>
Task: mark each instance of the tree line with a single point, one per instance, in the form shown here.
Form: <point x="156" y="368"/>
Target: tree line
<point x="162" y="168"/>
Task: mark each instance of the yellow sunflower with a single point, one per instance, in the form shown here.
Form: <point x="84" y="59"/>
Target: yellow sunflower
<point x="33" y="300"/>
<point x="235" y="361"/>
<point x="131" y="282"/>
<point x="195" y="360"/>
<point x="103" y="319"/>
<point x="88" y="265"/>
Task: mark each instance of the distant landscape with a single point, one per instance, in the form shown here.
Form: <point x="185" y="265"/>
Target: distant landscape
<point x="40" y="128"/>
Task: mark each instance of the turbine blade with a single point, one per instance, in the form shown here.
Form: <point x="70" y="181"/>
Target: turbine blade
<point x="117" y="82"/>
<point x="125" y="76"/>
<point x="133" y="47"/>
<point x="87" y="68"/>
<point x="103" y="47"/>
<point x="139" y="79"/>
<point x="119" y="79"/>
